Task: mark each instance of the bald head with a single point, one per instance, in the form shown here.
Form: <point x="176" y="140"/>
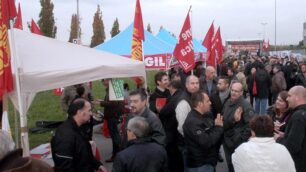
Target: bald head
<point x="296" y="96"/>
<point x="210" y="72"/>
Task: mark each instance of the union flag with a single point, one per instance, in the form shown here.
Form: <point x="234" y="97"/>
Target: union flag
<point x="138" y="34"/>
<point x="7" y="12"/>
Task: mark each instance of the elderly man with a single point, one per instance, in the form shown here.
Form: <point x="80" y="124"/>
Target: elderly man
<point x="209" y="84"/>
<point x="141" y="154"/>
<point x="138" y="103"/>
<point x="261" y="153"/>
<point x="202" y="135"/>
<point x="183" y="108"/>
<point x="294" y="137"/>
<point x="184" y="105"/>
<point x="71" y="150"/>
<point x="237" y="113"/>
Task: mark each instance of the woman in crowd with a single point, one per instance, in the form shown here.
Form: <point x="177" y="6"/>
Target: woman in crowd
<point x="279" y="112"/>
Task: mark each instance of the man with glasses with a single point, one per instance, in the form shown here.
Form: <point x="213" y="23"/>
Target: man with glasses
<point x="237" y="113"/>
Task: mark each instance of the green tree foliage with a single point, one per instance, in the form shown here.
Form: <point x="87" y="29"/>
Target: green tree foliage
<point x="46" y="21"/>
<point x="74" y="28"/>
<point x="149" y="29"/>
<point x="115" y="28"/>
<point x="98" y="36"/>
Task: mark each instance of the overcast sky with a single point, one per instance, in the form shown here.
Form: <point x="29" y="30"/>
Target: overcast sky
<point x="238" y="19"/>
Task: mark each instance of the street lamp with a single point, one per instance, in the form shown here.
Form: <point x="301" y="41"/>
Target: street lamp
<point x="275" y="29"/>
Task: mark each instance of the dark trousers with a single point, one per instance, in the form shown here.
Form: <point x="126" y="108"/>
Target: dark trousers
<point x="175" y="159"/>
<point x="114" y="133"/>
<point x="228" y="156"/>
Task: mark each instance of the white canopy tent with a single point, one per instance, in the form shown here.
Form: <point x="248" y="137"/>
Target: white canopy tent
<point x="44" y="64"/>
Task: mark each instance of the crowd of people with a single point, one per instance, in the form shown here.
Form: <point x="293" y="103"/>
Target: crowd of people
<point x="242" y="106"/>
<point x="252" y="108"/>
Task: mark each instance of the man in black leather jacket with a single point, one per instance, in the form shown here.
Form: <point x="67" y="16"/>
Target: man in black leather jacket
<point x="202" y="135"/>
<point x="71" y="150"/>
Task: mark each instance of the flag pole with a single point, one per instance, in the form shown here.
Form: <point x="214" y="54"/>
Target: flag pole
<point x="23" y="118"/>
<point x="190" y="12"/>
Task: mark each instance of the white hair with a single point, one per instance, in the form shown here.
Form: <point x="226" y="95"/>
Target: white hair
<point x="6" y="143"/>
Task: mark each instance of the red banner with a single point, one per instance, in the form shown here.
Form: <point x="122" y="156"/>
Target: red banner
<point x="35" y="29"/>
<point x="157" y="61"/>
<point x="7" y="11"/>
<point x="138" y="34"/>
<point x="18" y="21"/>
<point x="183" y="51"/>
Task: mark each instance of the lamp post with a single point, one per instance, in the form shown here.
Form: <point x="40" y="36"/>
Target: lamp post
<point x="275" y="29"/>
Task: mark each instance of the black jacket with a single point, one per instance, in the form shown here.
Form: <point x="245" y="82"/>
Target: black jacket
<point x="216" y="103"/>
<point x="263" y="83"/>
<point x="236" y="133"/>
<point x="71" y="150"/>
<point x="295" y="137"/>
<point x="201" y="140"/>
<point x="157" y="94"/>
<point x="141" y="156"/>
<point x="203" y="86"/>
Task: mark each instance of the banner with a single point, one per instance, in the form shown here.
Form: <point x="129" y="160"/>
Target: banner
<point x="116" y="91"/>
<point x="138" y="34"/>
<point x="183" y="51"/>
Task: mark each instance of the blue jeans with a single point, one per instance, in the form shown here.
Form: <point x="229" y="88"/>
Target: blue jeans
<point x="204" y="168"/>
<point x="261" y="106"/>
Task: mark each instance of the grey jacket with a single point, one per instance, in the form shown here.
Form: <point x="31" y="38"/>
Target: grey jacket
<point x="157" y="132"/>
<point x="236" y="133"/>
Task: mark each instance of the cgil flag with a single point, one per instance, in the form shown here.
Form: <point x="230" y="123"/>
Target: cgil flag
<point x="138" y="34"/>
<point x="7" y="12"/>
<point x="208" y="43"/>
<point x="35" y="29"/>
<point x="18" y="21"/>
<point x="217" y="47"/>
<point x="183" y="51"/>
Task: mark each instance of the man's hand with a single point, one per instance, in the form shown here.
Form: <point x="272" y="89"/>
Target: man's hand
<point x="102" y="169"/>
<point x="219" y="120"/>
<point x="238" y="113"/>
<point x="278" y="135"/>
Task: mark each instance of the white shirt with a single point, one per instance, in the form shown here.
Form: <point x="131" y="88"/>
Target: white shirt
<point x="181" y="111"/>
<point x="262" y="154"/>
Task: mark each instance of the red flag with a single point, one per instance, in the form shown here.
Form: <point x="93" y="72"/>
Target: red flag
<point x="138" y="34"/>
<point x="6" y="79"/>
<point x="183" y="51"/>
<point x="266" y="45"/>
<point x="8" y="10"/>
<point x="207" y="42"/>
<point x="18" y="22"/>
<point x="217" y="46"/>
<point x="35" y="29"/>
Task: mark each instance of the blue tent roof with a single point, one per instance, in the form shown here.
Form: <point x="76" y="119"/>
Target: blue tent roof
<point x="121" y="44"/>
<point x="166" y="36"/>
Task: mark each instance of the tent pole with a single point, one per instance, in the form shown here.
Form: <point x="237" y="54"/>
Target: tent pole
<point x="23" y="119"/>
